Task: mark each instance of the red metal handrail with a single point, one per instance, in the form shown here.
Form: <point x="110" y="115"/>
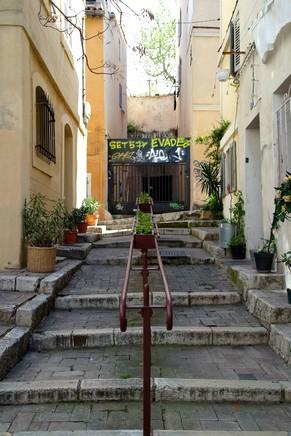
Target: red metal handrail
<point x="123" y="297"/>
<point x="146" y="311"/>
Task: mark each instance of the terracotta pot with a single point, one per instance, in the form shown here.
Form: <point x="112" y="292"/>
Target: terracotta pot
<point x="41" y="259"/>
<point x="92" y="219"/>
<point x="82" y="227"/>
<point x="70" y="236"/>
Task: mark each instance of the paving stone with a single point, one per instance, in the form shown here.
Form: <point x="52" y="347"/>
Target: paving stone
<point x="280" y="340"/>
<point x="217" y="390"/>
<point x="57" y="280"/>
<point x="271" y="307"/>
<point x="101" y="301"/>
<point x="98" y="390"/>
<point x="7" y="282"/>
<point x="31" y="313"/>
<point x="239" y="335"/>
<point x="28" y="282"/>
<point x="38" y="392"/>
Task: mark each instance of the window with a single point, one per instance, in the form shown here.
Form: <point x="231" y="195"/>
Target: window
<point x="235" y="46"/>
<point x="45" y="126"/>
<point x="229" y="170"/>
<point x="283" y="138"/>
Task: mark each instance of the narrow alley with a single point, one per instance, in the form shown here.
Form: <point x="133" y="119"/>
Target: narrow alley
<point x="213" y="371"/>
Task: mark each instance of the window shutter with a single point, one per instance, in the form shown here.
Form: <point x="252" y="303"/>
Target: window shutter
<point x="235" y="46"/>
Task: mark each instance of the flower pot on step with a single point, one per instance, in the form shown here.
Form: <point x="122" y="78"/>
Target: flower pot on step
<point x="92" y="219"/>
<point x="263" y="261"/>
<point x="41" y="259"/>
<point x="82" y="227"/>
<point x="70" y="236"/>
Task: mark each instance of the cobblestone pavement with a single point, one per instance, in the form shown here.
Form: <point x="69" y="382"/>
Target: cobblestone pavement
<point x="128" y="415"/>
<point x="183" y="278"/>
<point x="216" y="362"/>
<point x="210" y="316"/>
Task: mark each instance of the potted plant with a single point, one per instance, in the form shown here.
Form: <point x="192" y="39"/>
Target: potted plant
<point x="237" y="243"/>
<point x="264" y="257"/>
<point x="144" y="202"/>
<point x="43" y="228"/>
<point x="92" y="205"/>
<point x="79" y="216"/>
<point x="144" y="237"/>
<point x="212" y="209"/>
<point x="70" y="232"/>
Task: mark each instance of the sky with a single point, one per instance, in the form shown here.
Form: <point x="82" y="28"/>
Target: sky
<point x="137" y="83"/>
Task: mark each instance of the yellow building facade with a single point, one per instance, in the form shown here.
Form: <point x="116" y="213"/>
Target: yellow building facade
<point x="40" y="81"/>
<point x="106" y="93"/>
<point x="198" y="99"/>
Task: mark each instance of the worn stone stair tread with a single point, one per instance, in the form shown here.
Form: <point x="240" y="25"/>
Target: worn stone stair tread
<point x="270" y="306"/>
<point x="163" y="389"/>
<point x="224" y="315"/>
<point x="205" y="233"/>
<point x="140" y="433"/>
<point x="111" y="301"/>
<point x="103" y="337"/>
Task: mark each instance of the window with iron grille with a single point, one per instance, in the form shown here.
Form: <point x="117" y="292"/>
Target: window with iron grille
<point x="229" y="170"/>
<point x="283" y="138"/>
<point x="235" y="46"/>
<point x="45" y="126"/>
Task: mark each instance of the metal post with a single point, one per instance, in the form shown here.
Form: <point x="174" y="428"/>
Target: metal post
<point x="146" y="313"/>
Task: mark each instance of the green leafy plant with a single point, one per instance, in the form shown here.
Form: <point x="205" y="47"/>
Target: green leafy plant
<point x="91" y="204"/>
<point x="144" y="223"/>
<point x="237" y="218"/>
<point x="176" y="206"/>
<point x="43" y="221"/>
<point x="213" y="204"/>
<point x="212" y="142"/>
<point x="286" y="258"/>
<point x="69" y="221"/>
<point x="79" y="214"/>
<point x="144" y="198"/>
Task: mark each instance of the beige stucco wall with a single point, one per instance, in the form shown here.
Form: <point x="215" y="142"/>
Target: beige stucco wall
<point x="255" y="120"/>
<point x="152" y="113"/>
<point x="108" y="119"/>
<point x="30" y="56"/>
<point x="198" y="103"/>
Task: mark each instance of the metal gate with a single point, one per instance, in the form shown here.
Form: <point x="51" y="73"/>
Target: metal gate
<point x="158" y="166"/>
<point x="167" y="184"/>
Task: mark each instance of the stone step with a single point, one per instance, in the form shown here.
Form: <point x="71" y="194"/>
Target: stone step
<point x="174" y="231"/>
<point x="88" y="237"/>
<point x="244" y="277"/>
<point x="187" y="316"/>
<point x="113" y="233"/>
<point x="163" y="389"/>
<point x="111" y="301"/>
<point x="280" y="340"/>
<point x="177" y="256"/>
<point x="270" y="307"/>
<point x="89" y="338"/>
<point x="117" y="221"/>
<point x="10" y="302"/>
<point x="163" y="241"/>
<point x="205" y="233"/>
<point x="140" y="433"/>
<point x="13" y="345"/>
<point x="115" y="226"/>
<point x="74" y="251"/>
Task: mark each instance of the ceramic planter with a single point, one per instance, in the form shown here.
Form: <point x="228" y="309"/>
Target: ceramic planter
<point x="263" y="261"/>
<point x="92" y="219"/>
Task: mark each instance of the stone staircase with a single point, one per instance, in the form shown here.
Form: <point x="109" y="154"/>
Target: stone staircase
<point x="214" y="374"/>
